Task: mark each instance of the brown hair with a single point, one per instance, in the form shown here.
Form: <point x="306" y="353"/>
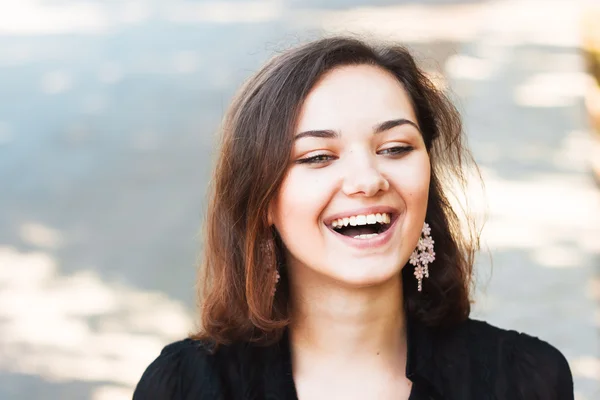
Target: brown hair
<point x="256" y="145"/>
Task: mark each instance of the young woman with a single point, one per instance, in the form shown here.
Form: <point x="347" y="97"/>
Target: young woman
<point x="335" y="267"/>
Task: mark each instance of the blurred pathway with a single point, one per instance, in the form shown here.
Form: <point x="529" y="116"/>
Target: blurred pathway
<point x="107" y="114"/>
<point x="522" y="85"/>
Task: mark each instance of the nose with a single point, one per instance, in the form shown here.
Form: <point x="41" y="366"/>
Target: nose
<point x="363" y="177"/>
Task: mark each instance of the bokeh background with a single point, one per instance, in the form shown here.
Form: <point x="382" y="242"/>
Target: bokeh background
<point x="108" y="116"/>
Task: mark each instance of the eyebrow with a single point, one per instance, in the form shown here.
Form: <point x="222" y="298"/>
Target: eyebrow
<point x="379" y="128"/>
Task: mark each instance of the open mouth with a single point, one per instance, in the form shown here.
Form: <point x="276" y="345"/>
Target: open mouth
<point x="363" y="226"/>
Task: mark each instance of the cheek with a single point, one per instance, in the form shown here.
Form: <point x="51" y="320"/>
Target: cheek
<point x="420" y="187"/>
<point x="412" y="181"/>
<point x="300" y="201"/>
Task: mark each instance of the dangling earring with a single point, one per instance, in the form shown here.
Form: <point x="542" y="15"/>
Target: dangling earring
<point x="267" y="248"/>
<point x="423" y="255"/>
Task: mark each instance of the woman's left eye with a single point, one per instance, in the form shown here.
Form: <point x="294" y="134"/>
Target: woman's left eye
<point x="396" y="150"/>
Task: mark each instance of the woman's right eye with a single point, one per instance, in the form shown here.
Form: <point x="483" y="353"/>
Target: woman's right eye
<point x="318" y="159"/>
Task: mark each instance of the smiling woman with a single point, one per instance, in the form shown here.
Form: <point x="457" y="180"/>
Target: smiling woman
<point x="334" y="265"/>
<point x="370" y="159"/>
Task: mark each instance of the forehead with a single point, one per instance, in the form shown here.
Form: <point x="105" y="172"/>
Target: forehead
<point x="354" y="96"/>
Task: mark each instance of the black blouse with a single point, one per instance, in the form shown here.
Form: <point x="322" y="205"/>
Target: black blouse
<point x="472" y="361"/>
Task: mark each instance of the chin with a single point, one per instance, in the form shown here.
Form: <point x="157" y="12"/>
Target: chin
<point x="365" y="275"/>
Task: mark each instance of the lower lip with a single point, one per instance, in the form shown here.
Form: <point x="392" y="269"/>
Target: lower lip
<point x="376" y="241"/>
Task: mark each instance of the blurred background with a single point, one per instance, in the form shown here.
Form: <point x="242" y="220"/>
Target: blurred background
<point x="108" y="114"/>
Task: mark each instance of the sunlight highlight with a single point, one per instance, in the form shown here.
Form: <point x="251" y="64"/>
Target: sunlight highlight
<point x="40" y="235"/>
<point x="79" y="327"/>
<point x="552" y="89"/>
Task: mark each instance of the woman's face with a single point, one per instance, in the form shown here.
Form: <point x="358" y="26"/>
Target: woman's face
<point x="353" y="202"/>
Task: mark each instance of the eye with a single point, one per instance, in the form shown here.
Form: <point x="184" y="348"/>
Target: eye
<point x="318" y="159"/>
<point x="396" y="150"/>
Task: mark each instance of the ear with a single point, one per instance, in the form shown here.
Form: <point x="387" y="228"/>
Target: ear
<point x="270" y="216"/>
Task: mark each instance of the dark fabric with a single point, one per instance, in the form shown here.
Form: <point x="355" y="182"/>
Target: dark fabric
<point x="472" y="361"/>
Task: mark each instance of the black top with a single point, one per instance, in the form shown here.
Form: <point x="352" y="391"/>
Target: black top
<point x="473" y="361"/>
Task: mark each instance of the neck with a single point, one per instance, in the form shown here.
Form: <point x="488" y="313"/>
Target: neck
<point x="334" y="324"/>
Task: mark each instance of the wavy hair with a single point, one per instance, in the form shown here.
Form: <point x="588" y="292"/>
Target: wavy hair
<point x="255" y="150"/>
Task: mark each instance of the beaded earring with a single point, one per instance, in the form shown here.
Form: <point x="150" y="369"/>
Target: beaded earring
<point x="423" y="255"/>
<point x="267" y="248"/>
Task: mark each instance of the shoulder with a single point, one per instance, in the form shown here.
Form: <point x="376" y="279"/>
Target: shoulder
<point x="527" y="362"/>
<point x="514" y="344"/>
<point x="183" y="369"/>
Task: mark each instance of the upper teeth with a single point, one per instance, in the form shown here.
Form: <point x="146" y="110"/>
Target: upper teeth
<point x="355" y="220"/>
